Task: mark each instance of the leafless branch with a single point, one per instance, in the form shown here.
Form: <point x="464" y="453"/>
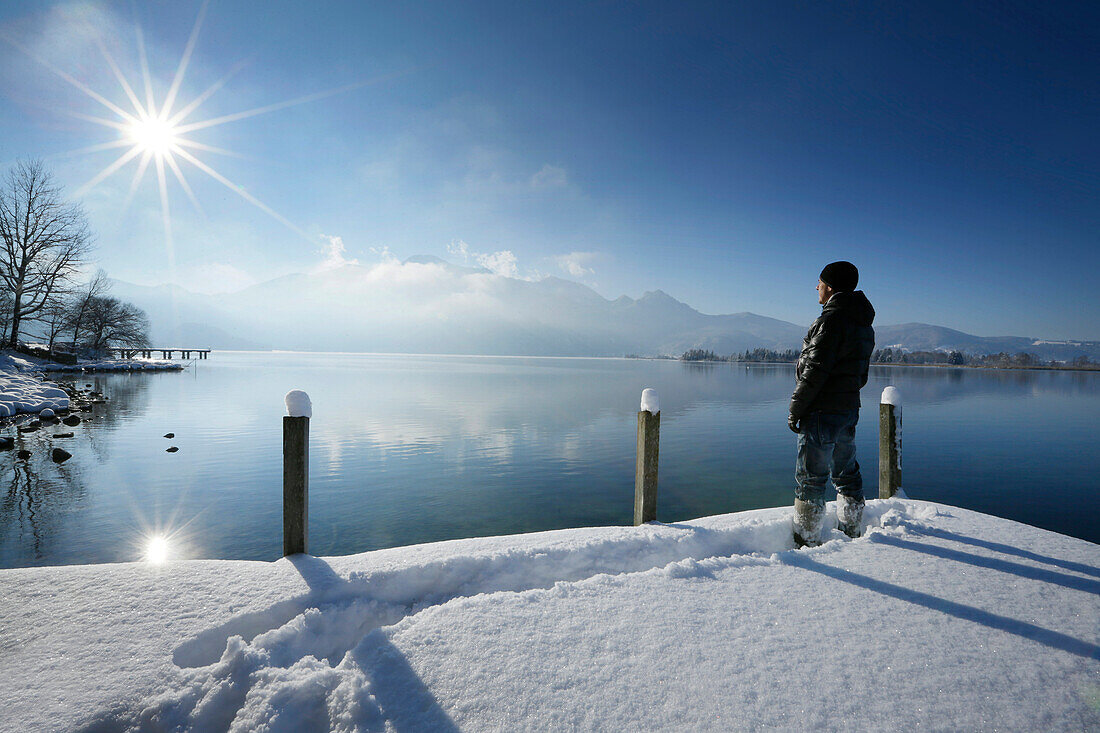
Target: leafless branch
<point x="43" y="242"/>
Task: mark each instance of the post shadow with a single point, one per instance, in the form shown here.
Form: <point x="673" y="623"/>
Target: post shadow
<point x="1072" y="582"/>
<point x="404" y="699"/>
<point x="318" y="574"/>
<point x="1047" y="637"/>
<point x="1009" y="550"/>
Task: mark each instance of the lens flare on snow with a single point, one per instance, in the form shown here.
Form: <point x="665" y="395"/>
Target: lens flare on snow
<point x="156" y="551"/>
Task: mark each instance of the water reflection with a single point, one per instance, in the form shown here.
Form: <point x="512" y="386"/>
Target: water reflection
<point x="39" y="496"/>
<point x="932" y="385"/>
<point x="498" y="406"/>
<point x="43" y="496"/>
<point x="156" y="550"/>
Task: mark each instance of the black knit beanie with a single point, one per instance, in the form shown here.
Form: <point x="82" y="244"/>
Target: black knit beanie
<point x="840" y="276"/>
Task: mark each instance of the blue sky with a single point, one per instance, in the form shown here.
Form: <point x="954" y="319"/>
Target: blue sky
<point x="721" y="152"/>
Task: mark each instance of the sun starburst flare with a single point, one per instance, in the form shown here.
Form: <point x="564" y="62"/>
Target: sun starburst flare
<point x="158" y="134"/>
<point x="153" y="135"/>
<point x="156" y="550"/>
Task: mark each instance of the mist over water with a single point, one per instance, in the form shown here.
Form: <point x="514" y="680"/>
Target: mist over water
<point x="408" y="449"/>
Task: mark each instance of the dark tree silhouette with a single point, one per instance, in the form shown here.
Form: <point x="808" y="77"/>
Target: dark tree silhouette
<point x="81" y="302"/>
<point x="113" y="322"/>
<point x="53" y="319"/>
<point x="43" y="240"/>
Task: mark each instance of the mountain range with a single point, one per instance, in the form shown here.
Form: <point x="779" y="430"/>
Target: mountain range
<point x="428" y="305"/>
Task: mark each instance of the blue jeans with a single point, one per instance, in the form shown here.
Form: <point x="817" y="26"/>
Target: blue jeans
<point x="826" y="447"/>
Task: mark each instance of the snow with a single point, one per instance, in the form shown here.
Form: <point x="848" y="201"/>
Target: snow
<point x="298" y="404"/>
<point x="891" y="396"/>
<point x="28" y="393"/>
<point x="651" y="402"/>
<point x="113" y="365"/>
<point x="22" y="388"/>
<point x="937" y="617"/>
<point x="11" y="361"/>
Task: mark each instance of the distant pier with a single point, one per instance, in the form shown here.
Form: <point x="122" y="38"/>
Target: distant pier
<point x="165" y="353"/>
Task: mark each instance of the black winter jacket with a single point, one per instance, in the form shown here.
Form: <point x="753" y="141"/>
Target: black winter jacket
<point x="836" y="355"/>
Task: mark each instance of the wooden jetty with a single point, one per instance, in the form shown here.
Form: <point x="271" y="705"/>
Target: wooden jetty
<point x="165" y="353"/>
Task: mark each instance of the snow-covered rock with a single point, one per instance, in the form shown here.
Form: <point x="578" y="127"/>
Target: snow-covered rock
<point x="21" y="392"/>
<point x="16" y="362"/>
<point x="22" y="388"/>
<point x="937" y="618"/>
<point x="114" y="365"/>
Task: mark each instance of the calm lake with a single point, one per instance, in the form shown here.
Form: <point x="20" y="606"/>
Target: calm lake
<point x="408" y="449"/>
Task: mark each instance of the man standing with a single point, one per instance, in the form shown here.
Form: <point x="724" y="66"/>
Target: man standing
<point x="836" y="355"/>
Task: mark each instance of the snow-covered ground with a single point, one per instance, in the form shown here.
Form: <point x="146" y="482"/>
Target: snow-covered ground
<point x="29" y="393"/>
<point x="22" y="388"/>
<point x="938" y="618"/>
<point x="11" y="361"/>
<point x="113" y="365"/>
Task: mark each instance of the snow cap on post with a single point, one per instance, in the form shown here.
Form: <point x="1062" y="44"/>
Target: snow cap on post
<point x="298" y="404"/>
<point x="891" y="396"/>
<point x="651" y="403"/>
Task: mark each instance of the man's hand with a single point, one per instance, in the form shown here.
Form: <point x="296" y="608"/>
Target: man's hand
<point x="792" y="423"/>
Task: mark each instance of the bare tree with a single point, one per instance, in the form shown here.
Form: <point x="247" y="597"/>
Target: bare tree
<point x="111" y="321"/>
<point x="5" y="309"/>
<point x="43" y="240"/>
<point x="54" y="318"/>
<point x="82" y="299"/>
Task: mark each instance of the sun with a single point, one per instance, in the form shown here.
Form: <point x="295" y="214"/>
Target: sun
<point x="156" y="551"/>
<point x="157" y="135"/>
<point x="153" y="135"/>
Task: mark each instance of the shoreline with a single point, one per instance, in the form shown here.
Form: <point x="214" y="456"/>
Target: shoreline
<point x="1036" y="368"/>
<point x="28" y="384"/>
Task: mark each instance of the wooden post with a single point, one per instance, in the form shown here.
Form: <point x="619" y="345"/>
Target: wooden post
<point x="645" y="472"/>
<point x="296" y="473"/>
<point x="889" y="443"/>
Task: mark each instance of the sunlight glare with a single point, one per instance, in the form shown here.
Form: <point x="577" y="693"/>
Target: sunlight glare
<point x="158" y="135"/>
<point x="153" y="135"/>
<point x="156" y="551"/>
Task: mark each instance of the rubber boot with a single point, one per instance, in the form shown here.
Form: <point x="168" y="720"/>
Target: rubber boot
<point x="849" y="515"/>
<point x="808" y="518"/>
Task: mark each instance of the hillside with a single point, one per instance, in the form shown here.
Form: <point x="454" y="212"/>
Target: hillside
<point x="426" y="305"/>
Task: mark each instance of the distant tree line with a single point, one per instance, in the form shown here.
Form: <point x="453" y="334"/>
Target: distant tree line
<point x="1002" y="360"/>
<point x="701" y="355"/>
<point x="757" y="355"/>
<point x="44" y="244"/>
<point x="899" y="356"/>
<point x="788" y="356"/>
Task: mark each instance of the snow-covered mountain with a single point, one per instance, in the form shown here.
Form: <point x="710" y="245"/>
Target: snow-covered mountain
<point x="427" y="305"/>
<point x="923" y="337"/>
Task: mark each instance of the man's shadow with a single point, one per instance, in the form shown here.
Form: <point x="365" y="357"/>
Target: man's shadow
<point x="1010" y="550"/>
<point x="1047" y="637"/>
